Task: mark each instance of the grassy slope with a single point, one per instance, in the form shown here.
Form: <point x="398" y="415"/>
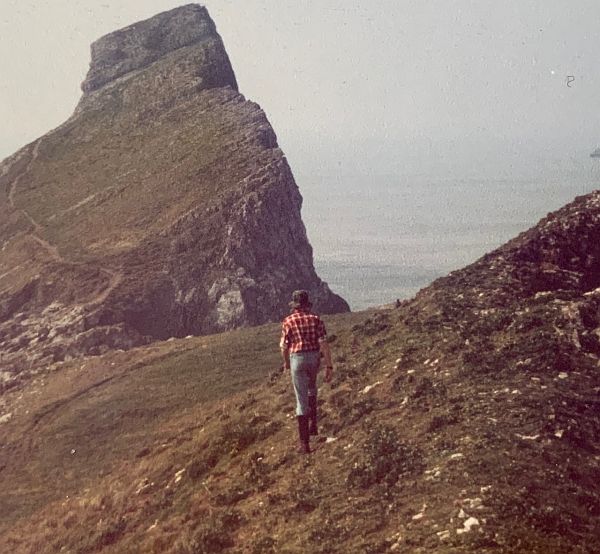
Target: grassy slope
<point x="87" y="192"/>
<point x="96" y="185"/>
<point x="450" y="431"/>
<point x="106" y="408"/>
<point x="107" y="185"/>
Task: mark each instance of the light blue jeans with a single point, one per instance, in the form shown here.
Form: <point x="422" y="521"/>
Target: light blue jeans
<point x="304" y="366"/>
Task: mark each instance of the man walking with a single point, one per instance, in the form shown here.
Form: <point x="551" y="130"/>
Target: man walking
<point x="303" y="340"/>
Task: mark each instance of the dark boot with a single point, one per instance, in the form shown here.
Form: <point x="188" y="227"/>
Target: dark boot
<point x="304" y="444"/>
<point x="312" y="411"/>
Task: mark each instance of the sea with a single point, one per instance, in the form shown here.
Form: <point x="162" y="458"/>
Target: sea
<point x="380" y="238"/>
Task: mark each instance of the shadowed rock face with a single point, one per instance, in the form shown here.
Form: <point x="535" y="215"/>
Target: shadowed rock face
<point x="162" y="207"/>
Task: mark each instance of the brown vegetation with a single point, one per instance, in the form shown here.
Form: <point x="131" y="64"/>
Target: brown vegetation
<point x="456" y="423"/>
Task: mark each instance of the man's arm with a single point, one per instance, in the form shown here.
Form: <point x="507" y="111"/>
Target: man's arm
<point x="284" y="347"/>
<point x="326" y="351"/>
<point x="285" y="354"/>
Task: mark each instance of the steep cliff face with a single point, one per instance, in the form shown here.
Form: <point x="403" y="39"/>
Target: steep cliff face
<point x="162" y="207"/>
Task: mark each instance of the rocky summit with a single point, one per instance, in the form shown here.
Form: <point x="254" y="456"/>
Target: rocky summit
<point x="163" y="207"/>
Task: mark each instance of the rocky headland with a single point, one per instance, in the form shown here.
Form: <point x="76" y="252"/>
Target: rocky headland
<point x="162" y="208"/>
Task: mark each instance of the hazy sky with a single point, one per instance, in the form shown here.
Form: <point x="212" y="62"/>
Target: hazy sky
<point x="351" y="87"/>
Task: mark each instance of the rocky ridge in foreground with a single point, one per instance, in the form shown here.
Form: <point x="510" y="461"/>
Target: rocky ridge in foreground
<point x="163" y="207"/>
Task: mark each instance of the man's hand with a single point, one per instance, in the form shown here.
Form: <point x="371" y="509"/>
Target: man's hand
<point x="328" y="374"/>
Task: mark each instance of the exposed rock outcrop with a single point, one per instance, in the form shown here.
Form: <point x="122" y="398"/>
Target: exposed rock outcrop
<point x="162" y="207"/>
<point x="139" y="45"/>
<point x="561" y="254"/>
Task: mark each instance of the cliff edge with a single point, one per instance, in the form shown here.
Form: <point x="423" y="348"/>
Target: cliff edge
<point x="163" y="207"/>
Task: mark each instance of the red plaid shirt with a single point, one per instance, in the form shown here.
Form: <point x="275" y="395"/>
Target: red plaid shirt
<point x="302" y="331"/>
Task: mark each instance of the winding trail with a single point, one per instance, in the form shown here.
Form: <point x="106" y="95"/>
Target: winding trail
<point x="114" y="277"/>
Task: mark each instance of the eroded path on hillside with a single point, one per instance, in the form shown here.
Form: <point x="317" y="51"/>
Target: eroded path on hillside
<point x="37" y="232"/>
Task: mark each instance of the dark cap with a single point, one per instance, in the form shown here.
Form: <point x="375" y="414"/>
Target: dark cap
<point x="300" y="299"/>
